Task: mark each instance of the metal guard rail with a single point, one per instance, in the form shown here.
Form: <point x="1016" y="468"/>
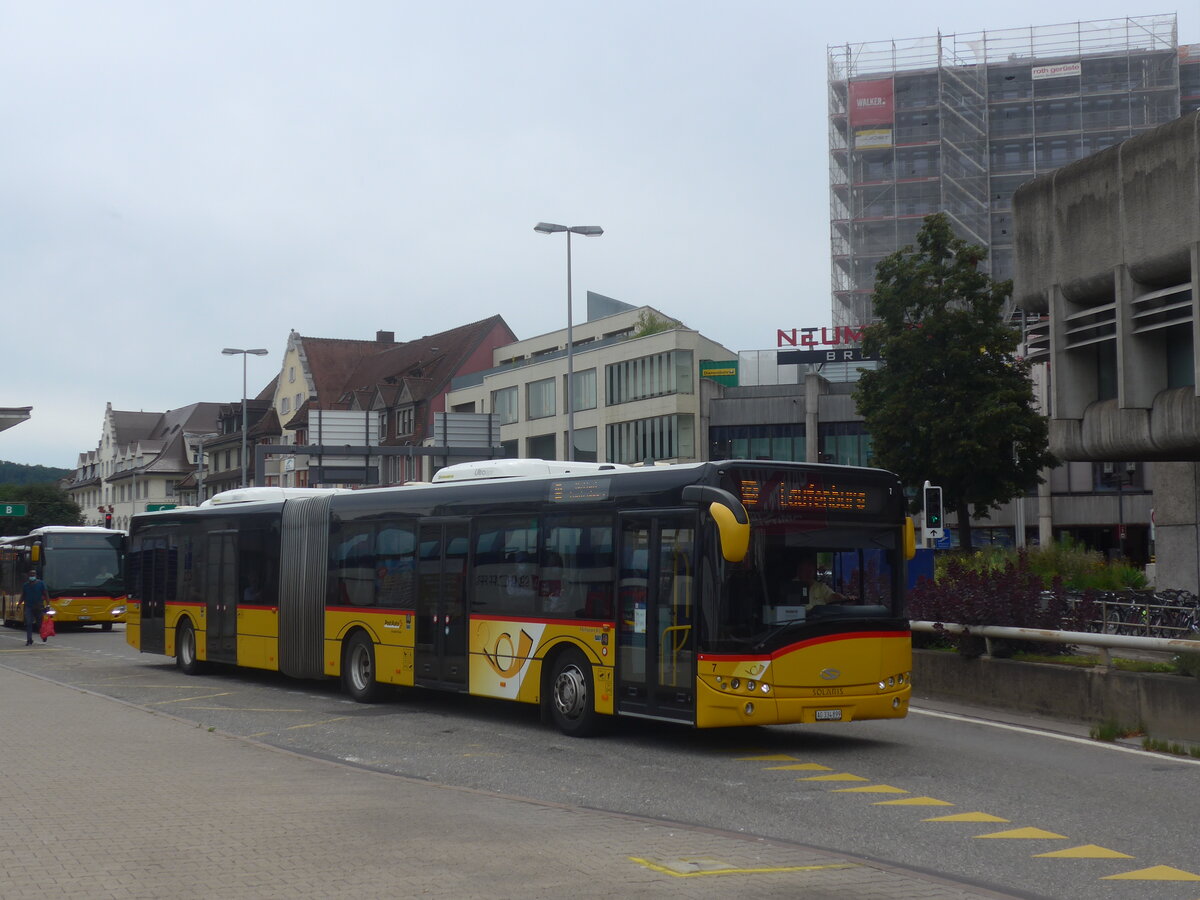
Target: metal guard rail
<point x="1103" y="642"/>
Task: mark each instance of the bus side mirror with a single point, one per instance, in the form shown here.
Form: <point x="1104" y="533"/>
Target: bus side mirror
<point x="35" y="553"/>
<point x="733" y="524"/>
<point x="910" y="538"/>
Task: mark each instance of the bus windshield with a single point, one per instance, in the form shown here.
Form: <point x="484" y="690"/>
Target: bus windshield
<point x="83" y="563"/>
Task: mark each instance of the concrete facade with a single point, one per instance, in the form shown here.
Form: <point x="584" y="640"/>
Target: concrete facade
<point x="1110" y="247"/>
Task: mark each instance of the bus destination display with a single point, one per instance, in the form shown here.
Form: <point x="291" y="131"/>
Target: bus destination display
<point x="786" y="492"/>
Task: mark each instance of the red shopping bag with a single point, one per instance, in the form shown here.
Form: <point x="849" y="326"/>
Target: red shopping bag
<point x="47" y="627"/>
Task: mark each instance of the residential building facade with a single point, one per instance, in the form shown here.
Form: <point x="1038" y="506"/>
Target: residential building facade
<point x="139" y="462"/>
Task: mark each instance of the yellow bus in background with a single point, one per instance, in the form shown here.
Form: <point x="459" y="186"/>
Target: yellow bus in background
<point x="591" y="590"/>
<point x="82" y="569"/>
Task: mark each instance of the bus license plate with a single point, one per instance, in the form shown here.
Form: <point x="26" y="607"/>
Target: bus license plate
<point x="829" y="715"/>
<point x="84" y="618"/>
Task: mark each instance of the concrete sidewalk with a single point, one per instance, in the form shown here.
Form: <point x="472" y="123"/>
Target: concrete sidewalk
<point x="99" y="799"/>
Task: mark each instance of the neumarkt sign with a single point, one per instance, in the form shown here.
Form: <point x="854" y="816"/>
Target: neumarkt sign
<point x="159" y="507"/>
<point x="722" y="371"/>
<point x="14" y="509"/>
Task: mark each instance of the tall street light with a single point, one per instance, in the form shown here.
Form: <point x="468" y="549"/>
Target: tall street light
<point x="586" y="231"/>
<point x="231" y="351"/>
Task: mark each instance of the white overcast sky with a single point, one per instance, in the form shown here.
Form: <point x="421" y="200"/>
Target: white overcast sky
<point x="178" y="177"/>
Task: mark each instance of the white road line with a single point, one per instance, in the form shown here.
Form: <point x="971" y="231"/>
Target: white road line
<point x="1099" y="745"/>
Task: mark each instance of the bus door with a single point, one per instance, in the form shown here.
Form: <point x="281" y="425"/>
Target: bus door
<point x="656" y="637"/>
<point x="441" y="642"/>
<point x="220" y="594"/>
<point x="151" y="583"/>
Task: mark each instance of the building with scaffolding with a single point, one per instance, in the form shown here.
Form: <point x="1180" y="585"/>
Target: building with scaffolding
<point x="955" y="123"/>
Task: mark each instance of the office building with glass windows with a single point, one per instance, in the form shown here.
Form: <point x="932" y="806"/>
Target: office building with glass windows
<point x="636" y="392"/>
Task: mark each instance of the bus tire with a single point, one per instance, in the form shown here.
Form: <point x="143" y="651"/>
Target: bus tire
<point x="571" y="695"/>
<point x="358" y="669"/>
<point x="185" y="648"/>
<point x="106" y="626"/>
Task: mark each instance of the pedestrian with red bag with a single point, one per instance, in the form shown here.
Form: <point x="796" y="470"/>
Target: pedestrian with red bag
<point x="36" y="598"/>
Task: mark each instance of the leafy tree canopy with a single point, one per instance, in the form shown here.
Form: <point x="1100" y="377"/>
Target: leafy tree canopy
<point x="951" y="403"/>
<point x="48" y="505"/>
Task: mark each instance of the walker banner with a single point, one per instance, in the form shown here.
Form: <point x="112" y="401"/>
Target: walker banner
<point x="871" y="103"/>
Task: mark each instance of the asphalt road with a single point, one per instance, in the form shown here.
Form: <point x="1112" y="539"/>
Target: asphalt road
<point x="870" y="789"/>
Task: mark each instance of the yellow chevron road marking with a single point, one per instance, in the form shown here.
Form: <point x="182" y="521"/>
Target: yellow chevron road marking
<point x="915" y="801"/>
<point x="1087" y="851"/>
<point x="695" y="866"/>
<point x="1024" y="834"/>
<point x="967" y="817"/>
<point x="1154" y="873"/>
<point x="841" y="776"/>
<point x="872" y="789"/>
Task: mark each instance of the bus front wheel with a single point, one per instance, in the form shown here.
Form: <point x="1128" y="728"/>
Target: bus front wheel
<point x="106" y="626"/>
<point x="185" y="648"/>
<point x="572" y="696"/>
<point x="358" y="669"/>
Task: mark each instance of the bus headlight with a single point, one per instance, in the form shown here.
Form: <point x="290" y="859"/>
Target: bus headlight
<point x="766" y="689"/>
<point x="751" y="685"/>
<point x="50" y="611"/>
<point x="735" y="683"/>
<point x="749" y="709"/>
<point x="119" y="611"/>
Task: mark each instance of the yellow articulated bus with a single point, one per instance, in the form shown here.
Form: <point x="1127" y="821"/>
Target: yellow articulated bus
<point x="82" y="569"/>
<point x="713" y="594"/>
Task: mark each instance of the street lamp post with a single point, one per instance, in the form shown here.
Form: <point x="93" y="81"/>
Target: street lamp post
<point x="231" y="351"/>
<point x="586" y="231"/>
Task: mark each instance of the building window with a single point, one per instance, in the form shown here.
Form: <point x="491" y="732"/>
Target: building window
<point x="783" y="441"/>
<point x="649" y="376"/>
<point x="286" y="405"/>
<point x="1181" y="361"/>
<point x="539" y="399"/>
<point x="299" y="401"/>
<point x="657" y="438"/>
<point x="504" y="405"/>
<point x="510" y="449"/>
<point x="406" y="421"/>
<point x="381" y="433"/>
<point x="844" y="443"/>
<point x="291" y="374"/>
<point x="585" y="444"/>
<point x="541" y="447"/>
<point x="584" y="395"/>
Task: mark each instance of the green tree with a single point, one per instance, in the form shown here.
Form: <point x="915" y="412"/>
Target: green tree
<point x="48" y="505"/>
<point x="951" y="403"/>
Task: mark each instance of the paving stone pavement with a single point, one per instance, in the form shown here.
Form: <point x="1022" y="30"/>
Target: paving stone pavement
<point x="103" y="799"/>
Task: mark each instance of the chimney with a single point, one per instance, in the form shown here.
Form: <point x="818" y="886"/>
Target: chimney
<point x="385" y="337"/>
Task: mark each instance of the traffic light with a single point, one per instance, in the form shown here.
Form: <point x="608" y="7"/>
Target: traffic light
<point x="108" y="520"/>
<point x="933" y="508"/>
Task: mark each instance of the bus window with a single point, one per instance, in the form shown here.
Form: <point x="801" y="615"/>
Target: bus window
<point x="395" y="566"/>
<point x="506" y="578"/>
<point x="576" y="574"/>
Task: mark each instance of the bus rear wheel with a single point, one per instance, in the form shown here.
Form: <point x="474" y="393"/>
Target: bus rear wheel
<point x="572" y="696"/>
<point x="358" y="669"/>
<point x="185" y="649"/>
